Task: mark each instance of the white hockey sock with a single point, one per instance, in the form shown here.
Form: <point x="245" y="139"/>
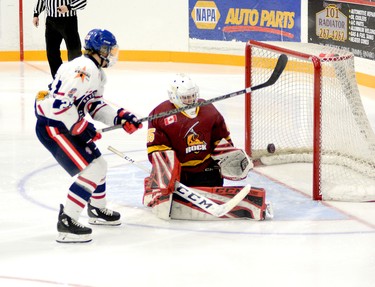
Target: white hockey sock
<point x="98" y="197"/>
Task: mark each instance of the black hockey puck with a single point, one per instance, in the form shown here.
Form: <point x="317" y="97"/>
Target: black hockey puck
<point x="271" y="148"/>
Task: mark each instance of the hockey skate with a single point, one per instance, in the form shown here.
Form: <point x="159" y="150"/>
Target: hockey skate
<point x="71" y="231"/>
<point x="102" y="216"/>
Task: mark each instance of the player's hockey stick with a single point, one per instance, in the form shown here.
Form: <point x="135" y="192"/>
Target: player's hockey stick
<point x="279" y="68"/>
<point x="192" y="195"/>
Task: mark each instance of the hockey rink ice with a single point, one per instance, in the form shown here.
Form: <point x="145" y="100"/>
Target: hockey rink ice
<point x="307" y="243"/>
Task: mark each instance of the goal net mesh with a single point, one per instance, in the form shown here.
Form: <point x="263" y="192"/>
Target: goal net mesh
<point x="312" y="114"/>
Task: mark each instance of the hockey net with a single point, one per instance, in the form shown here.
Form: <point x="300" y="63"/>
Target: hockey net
<point x="312" y="114"/>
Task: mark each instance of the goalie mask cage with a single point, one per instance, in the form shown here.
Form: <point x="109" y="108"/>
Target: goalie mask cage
<point x="312" y="114"/>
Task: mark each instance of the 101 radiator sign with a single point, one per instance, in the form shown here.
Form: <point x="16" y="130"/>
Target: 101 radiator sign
<point x="343" y="24"/>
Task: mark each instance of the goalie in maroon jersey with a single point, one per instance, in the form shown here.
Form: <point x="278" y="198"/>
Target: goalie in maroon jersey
<point x="203" y="156"/>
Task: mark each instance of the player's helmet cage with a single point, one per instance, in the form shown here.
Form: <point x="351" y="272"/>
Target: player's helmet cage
<point x="104" y="44"/>
<point x="183" y="91"/>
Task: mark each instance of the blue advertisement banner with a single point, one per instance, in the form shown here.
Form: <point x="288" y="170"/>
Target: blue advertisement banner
<point x="241" y="20"/>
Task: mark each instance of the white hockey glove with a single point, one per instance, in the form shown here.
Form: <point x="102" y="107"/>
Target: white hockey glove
<point x="234" y="163"/>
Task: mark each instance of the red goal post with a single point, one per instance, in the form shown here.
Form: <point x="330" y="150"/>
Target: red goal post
<point x="313" y="115"/>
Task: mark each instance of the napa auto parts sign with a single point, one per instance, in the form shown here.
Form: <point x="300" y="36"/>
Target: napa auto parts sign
<point x="241" y="20"/>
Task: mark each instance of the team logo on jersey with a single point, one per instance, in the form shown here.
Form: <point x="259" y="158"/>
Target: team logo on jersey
<point x="81" y="73"/>
<point x="194" y="144"/>
<point x="72" y="92"/>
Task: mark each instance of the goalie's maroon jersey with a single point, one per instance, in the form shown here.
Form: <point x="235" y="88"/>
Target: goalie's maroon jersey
<point x="193" y="139"/>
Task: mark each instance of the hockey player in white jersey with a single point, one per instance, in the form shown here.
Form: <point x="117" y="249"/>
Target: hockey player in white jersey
<point x="63" y="128"/>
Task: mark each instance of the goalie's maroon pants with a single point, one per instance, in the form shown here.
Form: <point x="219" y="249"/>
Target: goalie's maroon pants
<point x="209" y="177"/>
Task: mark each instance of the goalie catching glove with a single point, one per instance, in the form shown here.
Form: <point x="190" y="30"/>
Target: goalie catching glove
<point x="129" y="122"/>
<point x="234" y="163"/>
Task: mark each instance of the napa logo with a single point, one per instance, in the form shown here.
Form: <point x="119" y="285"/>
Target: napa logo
<point x="205" y="15"/>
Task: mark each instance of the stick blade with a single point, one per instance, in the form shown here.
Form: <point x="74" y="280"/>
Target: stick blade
<point x="227" y="207"/>
<point x="279" y="68"/>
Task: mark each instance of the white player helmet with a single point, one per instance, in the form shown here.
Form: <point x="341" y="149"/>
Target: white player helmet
<point x="182" y="90"/>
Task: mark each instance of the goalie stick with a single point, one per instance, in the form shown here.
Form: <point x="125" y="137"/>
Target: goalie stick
<point x="192" y="195"/>
<point x="279" y="68"/>
<point x="218" y="210"/>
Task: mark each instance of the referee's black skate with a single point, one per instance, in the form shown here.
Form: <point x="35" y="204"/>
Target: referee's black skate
<point x="102" y="216"/>
<point x="70" y="230"/>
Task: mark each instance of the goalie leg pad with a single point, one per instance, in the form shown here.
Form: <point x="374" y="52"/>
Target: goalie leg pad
<point x="253" y="206"/>
<point x="166" y="170"/>
<point x="159" y="202"/>
<point x="147" y="195"/>
<point x="161" y="205"/>
<point x="159" y="186"/>
<point x="187" y="211"/>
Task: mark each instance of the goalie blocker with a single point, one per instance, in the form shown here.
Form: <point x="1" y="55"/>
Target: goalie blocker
<point x="169" y="199"/>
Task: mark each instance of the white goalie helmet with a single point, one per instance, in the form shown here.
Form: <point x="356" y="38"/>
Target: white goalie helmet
<point x="182" y="90"/>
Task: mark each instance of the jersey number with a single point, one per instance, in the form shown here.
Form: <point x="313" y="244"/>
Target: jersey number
<point x="150" y="135"/>
<point x="61" y="104"/>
